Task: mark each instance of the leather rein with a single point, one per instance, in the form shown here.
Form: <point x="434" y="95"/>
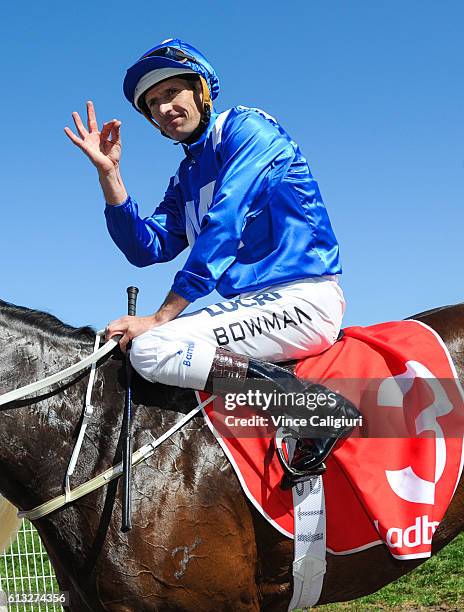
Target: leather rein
<point x="114" y="471"/>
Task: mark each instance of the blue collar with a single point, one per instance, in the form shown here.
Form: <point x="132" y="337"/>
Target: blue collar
<point x="195" y="149"/>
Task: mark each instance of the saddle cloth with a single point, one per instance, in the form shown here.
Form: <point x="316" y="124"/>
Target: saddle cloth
<point x="392" y="480"/>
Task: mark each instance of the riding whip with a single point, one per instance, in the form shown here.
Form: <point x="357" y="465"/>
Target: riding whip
<point x="127" y="424"/>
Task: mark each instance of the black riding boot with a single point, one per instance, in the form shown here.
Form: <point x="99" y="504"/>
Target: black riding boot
<point x="230" y="372"/>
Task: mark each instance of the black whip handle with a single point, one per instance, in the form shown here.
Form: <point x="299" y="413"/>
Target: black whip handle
<point x="132" y="300"/>
<point x="127" y="426"/>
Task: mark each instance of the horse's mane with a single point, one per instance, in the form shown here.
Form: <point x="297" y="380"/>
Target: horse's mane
<point x="45" y="322"/>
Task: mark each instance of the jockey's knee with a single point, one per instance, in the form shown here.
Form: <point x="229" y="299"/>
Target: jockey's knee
<point x="160" y="357"/>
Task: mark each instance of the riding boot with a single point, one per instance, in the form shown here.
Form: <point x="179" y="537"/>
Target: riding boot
<point x="230" y="372"/>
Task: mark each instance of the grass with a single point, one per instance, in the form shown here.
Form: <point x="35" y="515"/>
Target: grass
<point x="25" y="568"/>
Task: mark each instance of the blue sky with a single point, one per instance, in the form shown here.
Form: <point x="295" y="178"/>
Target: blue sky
<point x="372" y="92"/>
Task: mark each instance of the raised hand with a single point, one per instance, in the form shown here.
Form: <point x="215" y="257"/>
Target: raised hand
<point x="102" y="148"/>
<point x="104" y="151"/>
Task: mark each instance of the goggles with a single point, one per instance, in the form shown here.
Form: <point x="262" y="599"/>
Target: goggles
<point x="171" y="53"/>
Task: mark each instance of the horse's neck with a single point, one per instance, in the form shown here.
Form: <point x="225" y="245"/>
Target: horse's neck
<point x="36" y="435"/>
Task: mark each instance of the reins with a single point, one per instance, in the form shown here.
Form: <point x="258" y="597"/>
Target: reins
<point x="22" y="392"/>
<point x="114" y="471"/>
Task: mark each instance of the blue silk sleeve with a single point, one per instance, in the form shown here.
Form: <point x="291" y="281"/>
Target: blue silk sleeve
<point x="154" y="239"/>
<point x="254" y="158"/>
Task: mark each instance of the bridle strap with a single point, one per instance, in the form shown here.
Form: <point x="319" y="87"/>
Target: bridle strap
<point x="85" y="420"/>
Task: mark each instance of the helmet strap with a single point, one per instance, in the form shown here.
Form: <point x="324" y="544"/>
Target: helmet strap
<point x="206" y="95"/>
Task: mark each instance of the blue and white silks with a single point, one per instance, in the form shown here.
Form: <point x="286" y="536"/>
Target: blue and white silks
<point x="245" y="202"/>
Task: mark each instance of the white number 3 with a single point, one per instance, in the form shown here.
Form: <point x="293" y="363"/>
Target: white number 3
<point x="406" y="483"/>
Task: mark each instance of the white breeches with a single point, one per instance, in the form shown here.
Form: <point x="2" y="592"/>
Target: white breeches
<point x="282" y="322"/>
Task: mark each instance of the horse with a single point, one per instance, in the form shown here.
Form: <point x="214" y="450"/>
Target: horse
<point x="196" y="543"/>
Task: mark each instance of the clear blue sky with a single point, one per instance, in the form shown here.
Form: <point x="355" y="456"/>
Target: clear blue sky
<point x="373" y="92"/>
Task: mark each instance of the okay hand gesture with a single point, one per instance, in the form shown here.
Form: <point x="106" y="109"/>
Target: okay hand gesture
<point x="102" y="148"/>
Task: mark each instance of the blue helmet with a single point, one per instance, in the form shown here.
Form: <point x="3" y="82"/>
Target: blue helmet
<point x="172" y="57"/>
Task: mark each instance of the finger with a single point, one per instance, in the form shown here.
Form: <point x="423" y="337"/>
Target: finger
<point x="116" y="338"/>
<point x="106" y="131"/>
<point x="70" y="134"/>
<point x="116" y="132"/>
<point x="91" y="117"/>
<point x="118" y="327"/>
<point x="110" y="329"/>
<point x="79" y="125"/>
<point x="113" y="334"/>
<point x="124" y="342"/>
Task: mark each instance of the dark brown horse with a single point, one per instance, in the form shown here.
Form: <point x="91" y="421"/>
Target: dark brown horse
<point x="196" y="543"/>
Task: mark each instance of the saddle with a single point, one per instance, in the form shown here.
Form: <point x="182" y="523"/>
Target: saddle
<point x="389" y="481"/>
<point x="302" y="411"/>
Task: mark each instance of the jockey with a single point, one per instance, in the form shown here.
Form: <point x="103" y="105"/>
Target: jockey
<point x="244" y="201"/>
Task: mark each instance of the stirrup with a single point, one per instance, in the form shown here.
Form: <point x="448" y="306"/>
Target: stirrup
<point x="293" y="475"/>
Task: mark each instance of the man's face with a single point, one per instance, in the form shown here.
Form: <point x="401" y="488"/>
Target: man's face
<point x="175" y="107"/>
